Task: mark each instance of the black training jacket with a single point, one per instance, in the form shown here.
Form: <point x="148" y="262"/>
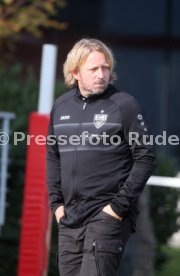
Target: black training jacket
<point x="93" y="160"/>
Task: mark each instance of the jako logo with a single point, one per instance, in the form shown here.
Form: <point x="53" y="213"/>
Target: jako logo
<point x="65" y="117"/>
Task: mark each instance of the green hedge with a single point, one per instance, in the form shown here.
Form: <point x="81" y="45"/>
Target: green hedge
<point x="163" y="207"/>
<point x="19" y="94"/>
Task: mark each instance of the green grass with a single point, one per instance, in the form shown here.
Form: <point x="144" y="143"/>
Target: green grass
<point x="172" y="266"/>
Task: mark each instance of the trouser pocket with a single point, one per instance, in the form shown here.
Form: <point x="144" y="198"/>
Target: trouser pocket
<point x="107" y="256"/>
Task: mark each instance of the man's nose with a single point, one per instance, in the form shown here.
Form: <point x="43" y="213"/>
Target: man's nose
<point x="100" y="73"/>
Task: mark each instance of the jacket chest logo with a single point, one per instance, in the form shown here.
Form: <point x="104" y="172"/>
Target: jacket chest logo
<point x="65" y="117"/>
<point x="100" y="120"/>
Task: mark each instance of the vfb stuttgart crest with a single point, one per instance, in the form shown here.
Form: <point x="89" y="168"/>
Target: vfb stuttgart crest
<point x="100" y="119"/>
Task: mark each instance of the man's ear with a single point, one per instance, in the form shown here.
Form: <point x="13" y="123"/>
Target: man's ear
<point x="76" y="74"/>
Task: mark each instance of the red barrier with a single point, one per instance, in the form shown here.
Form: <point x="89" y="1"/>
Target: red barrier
<point x="36" y="215"/>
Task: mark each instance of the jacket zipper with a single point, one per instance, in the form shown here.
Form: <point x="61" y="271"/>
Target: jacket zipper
<point x="84" y="105"/>
<point x="75" y="152"/>
<point x="96" y="258"/>
<point x="85" y="102"/>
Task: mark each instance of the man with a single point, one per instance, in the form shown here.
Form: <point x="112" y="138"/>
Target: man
<point x="99" y="164"/>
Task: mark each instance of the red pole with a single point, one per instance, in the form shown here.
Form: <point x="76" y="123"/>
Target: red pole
<point x="36" y="216"/>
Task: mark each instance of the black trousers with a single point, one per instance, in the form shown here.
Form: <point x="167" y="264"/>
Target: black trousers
<point x="94" y="249"/>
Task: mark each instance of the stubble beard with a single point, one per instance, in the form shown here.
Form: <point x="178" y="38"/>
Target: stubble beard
<point x="91" y="92"/>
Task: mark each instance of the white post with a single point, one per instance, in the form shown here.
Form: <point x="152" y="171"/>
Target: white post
<point x="4" y="149"/>
<point x="47" y="78"/>
<point x="46" y="97"/>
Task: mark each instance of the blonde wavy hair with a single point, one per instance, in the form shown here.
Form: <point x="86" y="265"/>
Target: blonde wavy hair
<point x="79" y="54"/>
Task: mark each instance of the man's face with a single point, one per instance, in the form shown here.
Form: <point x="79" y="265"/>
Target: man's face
<point x="93" y="75"/>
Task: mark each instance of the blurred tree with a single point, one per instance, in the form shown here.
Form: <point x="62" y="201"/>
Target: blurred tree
<point x="18" y="93"/>
<point x="24" y="16"/>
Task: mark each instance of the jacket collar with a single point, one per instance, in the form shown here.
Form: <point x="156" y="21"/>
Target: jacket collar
<point x="109" y="90"/>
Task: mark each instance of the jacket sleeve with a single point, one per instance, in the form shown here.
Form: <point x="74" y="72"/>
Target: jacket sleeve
<point x="142" y="152"/>
<point x="53" y="168"/>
